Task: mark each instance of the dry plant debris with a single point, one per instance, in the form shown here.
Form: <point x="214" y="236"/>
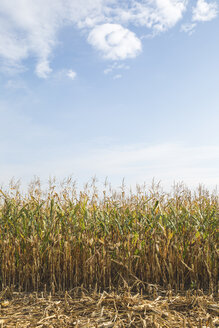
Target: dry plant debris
<point x="81" y="309"/>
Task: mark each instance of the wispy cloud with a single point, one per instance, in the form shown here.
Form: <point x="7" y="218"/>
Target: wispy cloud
<point x="138" y="163"/>
<point x="188" y="28"/>
<point x="16" y="84"/>
<point x="116" y="66"/>
<point x="117" y="76"/>
<point x="205" y="11"/>
<point x="107" y="70"/>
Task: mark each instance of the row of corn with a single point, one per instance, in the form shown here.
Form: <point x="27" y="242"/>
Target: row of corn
<point x="61" y="238"/>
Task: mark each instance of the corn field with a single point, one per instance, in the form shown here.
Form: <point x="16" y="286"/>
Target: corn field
<point x="63" y="238"/>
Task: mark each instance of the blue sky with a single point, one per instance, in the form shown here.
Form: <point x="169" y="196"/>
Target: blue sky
<point x="110" y="88"/>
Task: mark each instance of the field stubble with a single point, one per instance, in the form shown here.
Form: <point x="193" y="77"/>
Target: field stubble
<point x="80" y="308"/>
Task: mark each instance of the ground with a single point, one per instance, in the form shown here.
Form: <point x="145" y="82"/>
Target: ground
<point x="79" y="308"/>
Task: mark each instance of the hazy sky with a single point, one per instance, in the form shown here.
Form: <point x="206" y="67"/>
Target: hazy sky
<point x="110" y="88"/>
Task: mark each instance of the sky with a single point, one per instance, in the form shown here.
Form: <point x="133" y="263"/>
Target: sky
<point x="118" y="89"/>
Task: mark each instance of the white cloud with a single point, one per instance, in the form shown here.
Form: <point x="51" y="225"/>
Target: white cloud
<point x="169" y="12"/>
<point x="114" y="41"/>
<point x="71" y="74"/>
<point x="43" y="69"/>
<point x="158" y="15"/>
<point x="12" y="49"/>
<point x="29" y="28"/>
<point x="205" y="11"/>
